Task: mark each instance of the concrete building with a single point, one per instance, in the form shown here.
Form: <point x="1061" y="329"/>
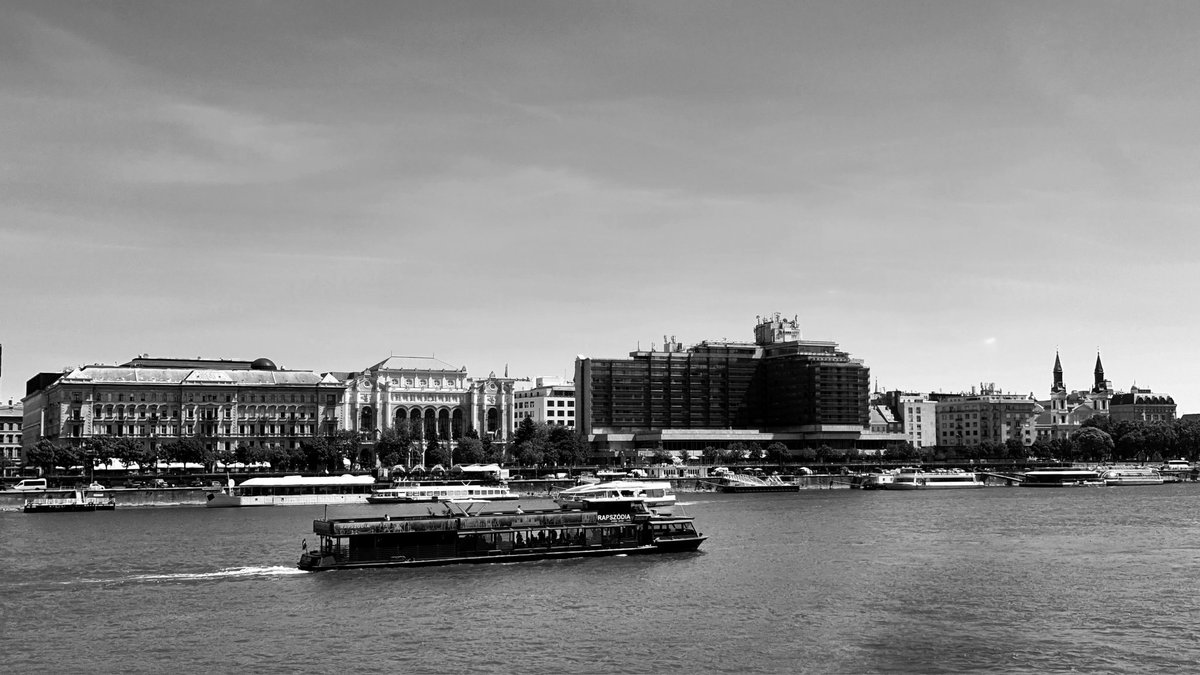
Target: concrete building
<point x="1142" y="405"/>
<point x="438" y="399"/>
<point x="11" y="420"/>
<point x="779" y="388"/>
<point x="987" y="417"/>
<point x="550" y="401"/>
<point x="225" y="404"/>
<point x="917" y="414"/>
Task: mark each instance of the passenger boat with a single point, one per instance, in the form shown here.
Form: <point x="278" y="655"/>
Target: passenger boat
<point x="1062" y="478"/>
<point x="740" y="482"/>
<point x="653" y="494"/>
<point x="406" y="492"/>
<point x="1133" y="476"/>
<point x="55" y="501"/>
<point x="916" y="479"/>
<point x="294" y="491"/>
<point x="466" y="534"/>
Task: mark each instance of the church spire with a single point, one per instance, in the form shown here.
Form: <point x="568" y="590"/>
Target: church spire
<point x="1058" y="374"/>
<point x="1101" y="384"/>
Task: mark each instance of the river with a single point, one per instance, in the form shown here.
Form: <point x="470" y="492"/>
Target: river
<point x="1006" y="580"/>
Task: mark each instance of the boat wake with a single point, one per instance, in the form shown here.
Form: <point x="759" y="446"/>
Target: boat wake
<point x="231" y="573"/>
<point x="277" y="570"/>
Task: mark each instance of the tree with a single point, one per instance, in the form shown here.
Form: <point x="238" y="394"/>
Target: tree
<point x="438" y="452"/>
<point x="777" y="453"/>
<point x="470" y="450"/>
<point x="46" y="454"/>
<point x="569" y="448"/>
<point x="395" y="444"/>
<point x="345" y="445"/>
<point x="531" y="443"/>
<point x="1014" y="449"/>
<point x="1093" y="444"/>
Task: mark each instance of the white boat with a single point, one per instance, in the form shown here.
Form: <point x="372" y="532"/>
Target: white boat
<point x="417" y="492"/>
<point x="653" y="494"/>
<point x="294" y="491"/>
<point x="1136" y="476"/>
<point x="54" y="501"/>
<point x="916" y="479"/>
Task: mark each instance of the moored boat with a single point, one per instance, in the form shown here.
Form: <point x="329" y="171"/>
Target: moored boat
<point x="740" y="482"/>
<point x="58" y="501"/>
<point x="653" y="494"/>
<point x="407" y="492"/>
<point x="464" y="533"/>
<point x="1062" y="478"/>
<point x="294" y="491"/>
<point x="1131" y="476"/>
<point x="872" y="481"/>
<point x="916" y="479"/>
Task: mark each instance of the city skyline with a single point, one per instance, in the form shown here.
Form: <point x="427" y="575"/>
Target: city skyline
<point x="953" y="192"/>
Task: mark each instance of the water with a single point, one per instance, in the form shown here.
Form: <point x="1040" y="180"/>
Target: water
<point x="826" y="581"/>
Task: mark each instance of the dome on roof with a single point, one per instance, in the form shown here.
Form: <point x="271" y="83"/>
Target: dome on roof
<point x="263" y="364"/>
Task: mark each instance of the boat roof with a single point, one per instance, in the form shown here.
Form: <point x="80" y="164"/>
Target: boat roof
<point x="344" y="479"/>
<point x="618" y="485"/>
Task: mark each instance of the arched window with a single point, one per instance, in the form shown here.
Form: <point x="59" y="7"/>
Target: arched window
<point x="493" y="420"/>
<point x="367" y="422"/>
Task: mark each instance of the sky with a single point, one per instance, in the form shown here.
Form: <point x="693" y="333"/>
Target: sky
<point x="952" y="191"/>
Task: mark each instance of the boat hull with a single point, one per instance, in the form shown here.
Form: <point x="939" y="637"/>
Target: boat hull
<point x="218" y="500"/>
<point x="68" y="508"/>
<point x="757" y="488"/>
<point x="314" y="562"/>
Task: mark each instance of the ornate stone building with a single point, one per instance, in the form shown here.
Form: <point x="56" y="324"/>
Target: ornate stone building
<point x="224" y="404"/>
<point x="438" y="399"/>
<point x="1065" y="411"/>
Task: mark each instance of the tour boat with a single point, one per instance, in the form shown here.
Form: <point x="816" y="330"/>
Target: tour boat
<point x="416" y="492"/>
<point x="1062" y="478"/>
<point x="654" y="494"/>
<point x="1137" y="476"/>
<point x="741" y="482"/>
<point x="54" y="501"/>
<point x="916" y="479"/>
<point x="464" y="533"/>
<point x="294" y="491"/>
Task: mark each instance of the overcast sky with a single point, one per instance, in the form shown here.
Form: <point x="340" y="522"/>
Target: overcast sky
<point x="950" y="190"/>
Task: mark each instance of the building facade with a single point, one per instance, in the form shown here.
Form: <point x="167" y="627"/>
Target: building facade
<point x="988" y="417"/>
<point x="1065" y="411"/>
<point x="550" y="401"/>
<point x="778" y="388"/>
<point x="225" y="404"/>
<point x="437" y="399"/>
<point x="11" y="421"/>
<point x="1142" y="405"/>
<point x="917" y="415"/>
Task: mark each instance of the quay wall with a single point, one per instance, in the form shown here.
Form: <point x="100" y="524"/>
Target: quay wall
<point x="13" y="500"/>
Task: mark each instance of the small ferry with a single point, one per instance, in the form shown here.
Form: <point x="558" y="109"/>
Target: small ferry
<point x="406" y="492"/>
<point x="916" y="479"/>
<point x="466" y="534"/>
<point x="58" y="501"/>
<point x="653" y="494"/>
<point x="1132" y="476"/>
<point x="1062" y="478"/>
<point x="294" y="491"/>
